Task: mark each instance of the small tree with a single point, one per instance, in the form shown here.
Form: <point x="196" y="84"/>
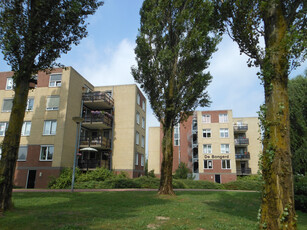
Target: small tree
<point x="175" y="42"/>
<point x="182" y="171"/>
<point x="297" y="89"/>
<point x="282" y="26"/>
<point x="33" y="34"/>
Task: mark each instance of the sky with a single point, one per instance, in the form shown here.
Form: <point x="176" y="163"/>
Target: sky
<point x="106" y="55"/>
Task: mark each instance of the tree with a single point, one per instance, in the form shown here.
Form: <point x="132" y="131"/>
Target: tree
<point x="175" y="42"/>
<point x="273" y="34"/>
<point x="33" y="34"/>
<point x="297" y="90"/>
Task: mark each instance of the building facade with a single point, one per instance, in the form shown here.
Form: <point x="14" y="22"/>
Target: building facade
<point x="213" y="144"/>
<point x="114" y="122"/>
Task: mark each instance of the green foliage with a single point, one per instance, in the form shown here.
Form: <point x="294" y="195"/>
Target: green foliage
<point x="151" y="173"/>
<point x="197" y="184"/>
<point x="64" y="180"/>
<point x="300" y="192"/>
<point x="253" y="185"/>
<point x="148" y="182"/>
<point x="120" y="183"/>
<point x="182" y="171"/>
<point x="297" y="89"/>
<point x="99" y="174"/>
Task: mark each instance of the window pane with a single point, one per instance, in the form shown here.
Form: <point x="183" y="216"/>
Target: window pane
<point x="30" y="104"/>
<point x="43" y="153"/>
<point x="47" y="127"/>
<point x="53" y="127"/>
<point x="56" y="77"/>
<point x="205" y="164"/>
<point x="7" y="105"/>
<point x="228" y="164"/>
<point x="50" y="152"/>
<point x="53" y="103"/>
<point x="9" y="83"/>
<point x="22" y="153"/>
<point x="3" y="128"/>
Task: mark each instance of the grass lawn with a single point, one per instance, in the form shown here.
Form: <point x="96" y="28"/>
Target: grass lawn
<point x="135" y="210"/>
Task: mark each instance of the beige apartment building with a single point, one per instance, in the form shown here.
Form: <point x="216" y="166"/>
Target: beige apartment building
<point x="114" y="122"/>
<point x="213" y="144"/>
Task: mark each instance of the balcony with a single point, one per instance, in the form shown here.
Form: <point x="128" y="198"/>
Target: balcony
<point x="97" y="120"/>
<point x="89" y="164"/>
<point x="97" y="142"/>
<point x="244" y="171"/>
<point x="243" y="156"/>
<point x="241" y="141"/>
<point x="97" y="100"/>
<point x="240" y="128"/>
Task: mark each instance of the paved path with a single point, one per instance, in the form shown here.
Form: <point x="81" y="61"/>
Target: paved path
<point x="125" y="190"/>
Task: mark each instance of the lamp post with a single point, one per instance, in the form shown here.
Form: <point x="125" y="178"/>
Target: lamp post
<point x="78" y="121"/>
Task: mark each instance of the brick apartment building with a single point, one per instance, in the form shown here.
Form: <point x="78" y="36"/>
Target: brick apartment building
<point x="213" y="144"/>
<point x="114" y="122"/>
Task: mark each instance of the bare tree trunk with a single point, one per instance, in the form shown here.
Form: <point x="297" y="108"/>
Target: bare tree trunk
<point x="10" y="144"/>
<point x="277" y="208"/>
<point x="166" y="186"/>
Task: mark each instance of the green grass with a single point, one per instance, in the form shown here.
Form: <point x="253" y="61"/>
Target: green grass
<point x="135" y="210"/>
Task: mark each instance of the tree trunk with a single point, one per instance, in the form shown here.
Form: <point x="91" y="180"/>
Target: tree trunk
<point x="10" y="145"/>
<point x="277" y="208"/>
<point x="166" y="186"/>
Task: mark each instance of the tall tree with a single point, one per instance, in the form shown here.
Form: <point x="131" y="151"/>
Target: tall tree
<point x="33" y="34"/>
<point x="273" y="34"/>
<point x="297" y="90"/>
<point x="175" y="42"/>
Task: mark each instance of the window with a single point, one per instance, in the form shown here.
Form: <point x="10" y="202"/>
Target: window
<point x="143" y="142"/>
<point x="0" y="153"/>
<point x="3" y="128"/>
<point x="47" y="153"/>
<point x="225" y="164"/>
<point x="142" y="160"/>
<point x="208" y="164"/>
<point x="30" y="104"/>
<point x="137" y="118"/>
<point x="224" y="148"/>
<point x="143" y="122"/>
<point x="7" y="105"/>
<point x="224" y="133"/>
<point x="177" y="135"/>
<point x="206" y="118"/>
<point x="22" y="153"/>
<point x="223" y="118"/>
<point x="138" y="99"/>
<point x="53" y="103"/>
<point x="137" y="138"/>
<point x="9" y="83"/>
<point x="55" y="80"/>
<point x="207" y="148"/>
<point x="50" y="127"/>
<point x="136" y="159"/>
<point x="206" y="133"/>
<point x="26" y="128"/>
<point x="144" y="105"/>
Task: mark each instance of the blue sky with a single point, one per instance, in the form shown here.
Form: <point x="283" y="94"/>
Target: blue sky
<point x="107" y="54"/>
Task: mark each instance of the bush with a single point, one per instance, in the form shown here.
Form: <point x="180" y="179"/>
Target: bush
<point x="182" y="171"/>
<point x="64" y="180"/>
<point x="99" y="174"/>
<point x="300" y="192"/>
<point x="151" y="173"/>
<point x="148" y="182"/>
<point x="201" y="184"/>
<point x="120" y="183"/>
<point x="244" y="185"/>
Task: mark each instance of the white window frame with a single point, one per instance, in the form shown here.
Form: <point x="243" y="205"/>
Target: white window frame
<point x="137" y="138"/>
<point x="224" y="148"/>
<point x="226" y="166"/>
<point x="53" y="108"/>
<point x="143" y="105"/>
<point x="207" y="148"/>
<point x="55" y="83"/>
<point x="138" y="99"/>
<point x="224" y="133"/>
<point x="143" y="122"/>
<point x="7" y="99"/>
<point x="142" y="160"/>
<point x="143" y="141"/>
<point x="5" y="124"/>
<point x="0" y="153"/>
<point x="52" y="129"/>
<point x="22" y="146"/>
<point x="138" y="118"/>
<point x="26" y="128"/>
<point x="9" y="83"/>
<point x="136" y="159"/>
<point x="177" y="135"/>
<point x="206" y="133"/>
<point x="206" y="118"/>
<point x="28" y="104"/>
<point x="223" y="118"/>
<point x="209" y="164"/>
<point x="46" y="158"/>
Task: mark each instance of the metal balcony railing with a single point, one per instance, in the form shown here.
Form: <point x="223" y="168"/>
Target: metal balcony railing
<point x="100" y="141"/>
<point x="98" y="117"/>
<point x="244" y="171"/>
<point x="243" y="127"/>
<point x="98" y="96"/>
<point x="243" y="156"/>
<point x="241" y="141"/>
<point x="89" y="163"/>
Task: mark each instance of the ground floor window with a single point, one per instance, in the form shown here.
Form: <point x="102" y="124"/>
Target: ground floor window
<point x="208" y="164"/>
<point x="46" y="153"/>
<point x="225" y="164"/>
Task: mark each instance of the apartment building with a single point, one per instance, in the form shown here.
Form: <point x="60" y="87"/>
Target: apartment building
<point x="213" y="144"/>
<point x="113" y="125"/>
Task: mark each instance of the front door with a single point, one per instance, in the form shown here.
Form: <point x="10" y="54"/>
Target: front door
<point x="218" y="178"/>
<point x="31" y="179"/>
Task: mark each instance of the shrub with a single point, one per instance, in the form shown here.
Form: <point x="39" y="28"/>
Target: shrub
<point x="244" y="185"/>
<point x="64" y="180"/>
<point x="201" y="184"/>
<point x="300" y="192"/>
<point x="99" y="174"/>
<point x="151" y="173"/>
<point x="120" y="183"/>
<point x="182" y="171"/>
<point x="148" y="182"/>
